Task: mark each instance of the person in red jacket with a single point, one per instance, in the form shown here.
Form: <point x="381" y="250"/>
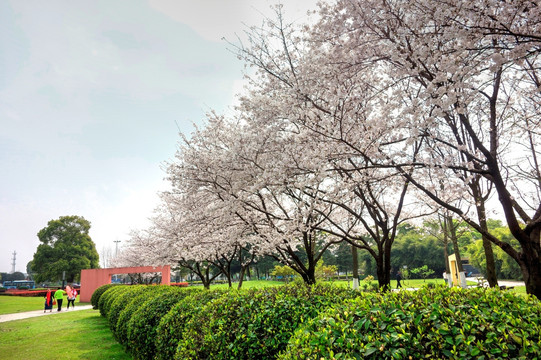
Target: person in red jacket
<point x="49" y="301"/>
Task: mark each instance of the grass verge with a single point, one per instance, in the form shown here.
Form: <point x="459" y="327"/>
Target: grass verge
<point x="17" y="304"/>
<point x="72" y="335"/>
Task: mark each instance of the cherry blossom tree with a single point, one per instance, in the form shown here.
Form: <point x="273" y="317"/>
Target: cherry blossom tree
<point x="443" y="92"/>
<point x="325" y="120"/>
<point x="245" y="171"/>
<point x="465" y="77"/>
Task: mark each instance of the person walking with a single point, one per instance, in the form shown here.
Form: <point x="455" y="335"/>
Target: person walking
<point x="59" y="296"/>
<point x="49" y="301"/>
<point x="398" y="279"/>
<point x="72" y="295"/>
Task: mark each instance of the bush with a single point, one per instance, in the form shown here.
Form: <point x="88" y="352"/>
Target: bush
<point x="172" y="326"/>
<point x="26" y="293"/>
<point x="108" y="297"/>
<point x="121" y="333"/>
<point x="254" y="324"/>
<point x="143" y="322"/>
<point x="121" y="301"/>
<point x="95" y="298"/>
<point x="428" y="323"/>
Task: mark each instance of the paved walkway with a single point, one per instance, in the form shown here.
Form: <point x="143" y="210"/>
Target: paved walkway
<point x="34" y="313"/>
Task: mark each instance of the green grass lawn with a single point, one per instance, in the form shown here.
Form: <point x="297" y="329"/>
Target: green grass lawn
<point x="249" y="284"/>
<point x="70" y="335"/>
<point x="17" y="304"/>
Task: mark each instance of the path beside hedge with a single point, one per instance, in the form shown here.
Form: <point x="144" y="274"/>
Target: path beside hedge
<point x="34" y="313"/>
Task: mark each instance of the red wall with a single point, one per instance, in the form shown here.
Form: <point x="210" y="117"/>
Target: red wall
<point x="91" y="279"/>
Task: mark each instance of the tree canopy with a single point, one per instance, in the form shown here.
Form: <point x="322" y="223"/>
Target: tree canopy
<point x="377" y="113"/>
<point x="65" y="246"/>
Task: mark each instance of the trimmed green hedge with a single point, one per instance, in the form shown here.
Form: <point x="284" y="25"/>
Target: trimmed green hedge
<point x="172" y="326"/>
<point x="143" y="323"/>
<point x="107" y="298"/>
<point x="95" y="298"/>
<point x="428" y="323"/>
<point x="298" y="322"/>
<point x="121" y="301"/>
<point x="121" y="332"/>
<point x="256" y="323"/>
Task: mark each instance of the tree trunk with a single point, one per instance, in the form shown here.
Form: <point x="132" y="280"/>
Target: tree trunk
<point x="492" y="278"/>
<point x="446" y="254"/>
<point x="355" y="267"/>
<point x="530" y="263"/>
<point x="241" y="276"/>
<point x="383" y="269"/>
<point x="206" y="279"/>
<point x="451" y="228"/>
<point x="487" y="244"/>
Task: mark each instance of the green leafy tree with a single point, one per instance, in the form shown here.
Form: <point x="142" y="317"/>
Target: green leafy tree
<point x="505" y="266"/>
<point x="324" y="271"/>
<point x="423" y="271"/>
<point x="344" y="258"/>
<point x="284" y="271"/>
<point x="65" y="246"/>
<point x="417" y="247"/>
<point x="17" y="275"/>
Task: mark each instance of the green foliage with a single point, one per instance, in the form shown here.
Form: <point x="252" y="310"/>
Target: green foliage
<point x="428" y="323"/>
<point x="65" y="246"/>
<point x="255" y="324"/>
<point x="95" y="298"/>
<point x="506" y="267"/>
<point x="423" y="271"/>
<point x="107" y="298"/>
<point x="121" y="301"/>
<point x="415" y="247"/>
<point x="284" y="271"/>
<point x="325" y="271"/>
<point x="121" y="332"/>
<point x="17" y="275"/>
<point x="172" y="326"/>
<point x="143" y="323"/>
<point x="73" y="335"/>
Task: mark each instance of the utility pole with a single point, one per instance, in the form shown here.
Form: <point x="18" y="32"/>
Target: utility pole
<point x="116" y="246"/>
<point x="116" y="254"/>
<point x="13" y="262"/>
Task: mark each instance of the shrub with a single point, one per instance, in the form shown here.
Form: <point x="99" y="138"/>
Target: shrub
<point x="143" y="322"/>
<point x="428" y="323"/>
<point x="172" y="326"/>
<point x="254" y="324"/>
<point x="121" y="333"/>
<point x="108" y="297"/>
<point x="95" y="298"/>
<point x="121" y="301"/>
<point x="27" y="293"/>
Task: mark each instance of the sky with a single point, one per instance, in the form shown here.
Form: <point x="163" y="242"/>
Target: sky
<point x="93" y="95"/>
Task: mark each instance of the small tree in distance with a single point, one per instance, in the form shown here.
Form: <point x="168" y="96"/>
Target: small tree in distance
<point x="423" y="271"/>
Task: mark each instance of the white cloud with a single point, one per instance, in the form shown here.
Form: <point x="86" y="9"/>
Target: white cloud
<point x="216" y="19"/>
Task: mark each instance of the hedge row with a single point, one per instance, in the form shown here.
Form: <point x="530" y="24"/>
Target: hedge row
<point x="441" y="323"/>
<point x="28" y="293"/>
<point x="254" y="324"/>
<point x="95" y="298"/>
<point x="164" y="322"/>
<point x="298" y="322"/>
